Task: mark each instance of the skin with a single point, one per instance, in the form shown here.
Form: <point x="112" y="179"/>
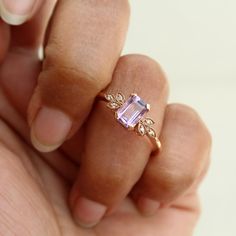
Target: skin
<point x="40" y="192"/>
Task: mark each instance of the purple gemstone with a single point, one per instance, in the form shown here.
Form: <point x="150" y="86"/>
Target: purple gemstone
<point x="132" y="111"/>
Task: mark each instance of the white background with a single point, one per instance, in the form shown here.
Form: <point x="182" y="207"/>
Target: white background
<point x="195" y="42"/>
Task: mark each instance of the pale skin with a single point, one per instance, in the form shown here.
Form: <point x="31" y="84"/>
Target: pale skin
<point x="66" y="166"/>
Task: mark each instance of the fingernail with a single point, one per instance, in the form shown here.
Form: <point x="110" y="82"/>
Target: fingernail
<point x="88" y="213"/>
<point x="147" y="206"/>
<point x="50" y="129"/>
<point x="16" y="12"/>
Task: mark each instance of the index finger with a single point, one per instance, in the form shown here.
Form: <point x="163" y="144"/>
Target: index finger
<point x="82" y="48"/>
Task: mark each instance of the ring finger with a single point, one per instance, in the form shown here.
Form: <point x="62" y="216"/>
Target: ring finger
<point x="113" y="158"/>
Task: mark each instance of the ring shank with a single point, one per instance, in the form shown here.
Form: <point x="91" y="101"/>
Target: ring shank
<point x="157" y="143"/>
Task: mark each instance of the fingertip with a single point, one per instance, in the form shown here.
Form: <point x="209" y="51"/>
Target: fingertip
<point x="12" y="19"/>
<point x="42" y="147"/>
<point x="50" y="129"/>
<point x="15" y="12"/>
<point x="88" y="213"/>
<point x="147" y="206"/>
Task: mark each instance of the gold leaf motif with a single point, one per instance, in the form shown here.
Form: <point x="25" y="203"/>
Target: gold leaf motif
<point x="113" y="105"/>
<point x="149" y="121"/>
<point x="151" y="132"/>
<point x="109" y="97"/>
<point x="120" y="98"/>
<point x="141" y="129"/>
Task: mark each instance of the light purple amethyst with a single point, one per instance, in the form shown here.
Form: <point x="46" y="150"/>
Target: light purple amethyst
<point x="132" y="111"/>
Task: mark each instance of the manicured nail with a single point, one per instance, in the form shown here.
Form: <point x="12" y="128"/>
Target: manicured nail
<point x="147" y="206"/>
<point x="88" y="213"/>
<point x="16" y="12"/>
<point x="50" y="129"/>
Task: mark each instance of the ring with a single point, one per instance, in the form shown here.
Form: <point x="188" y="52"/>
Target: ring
<point x="131" y="113"/>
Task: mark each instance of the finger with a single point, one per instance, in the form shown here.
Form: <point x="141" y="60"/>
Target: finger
<point x="186" y="146"/>
<point x="17" y="12"/>
<point x="113" y="158"/>
<point x="83" y="47"/>
<point x="4" y="39"/>
<point x="23" y="57"/>
<point x="178" y="220"/>
<point x="31" y="34"/>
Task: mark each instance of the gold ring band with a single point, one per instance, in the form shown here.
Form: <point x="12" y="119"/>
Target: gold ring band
<point x="131" y="114"/>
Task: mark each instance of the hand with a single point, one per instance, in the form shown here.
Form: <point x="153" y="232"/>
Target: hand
<point x="114" y="180"/>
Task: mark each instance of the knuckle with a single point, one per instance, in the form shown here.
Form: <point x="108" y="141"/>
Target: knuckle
<point x="67" y="68"/>
<point x="172" y="183"/>
<point x="187" y="117"/>
<point x="180" y="111"/>
<point x="107" y="186"/>
<point x="145" y="68"/>
<point x="115" y="180"/>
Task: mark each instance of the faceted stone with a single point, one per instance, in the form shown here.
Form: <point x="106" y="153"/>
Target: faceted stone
<point x="132" y="111"/>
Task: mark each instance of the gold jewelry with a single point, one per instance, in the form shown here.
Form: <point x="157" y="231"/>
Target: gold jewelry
<point x="130" y="113"/>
